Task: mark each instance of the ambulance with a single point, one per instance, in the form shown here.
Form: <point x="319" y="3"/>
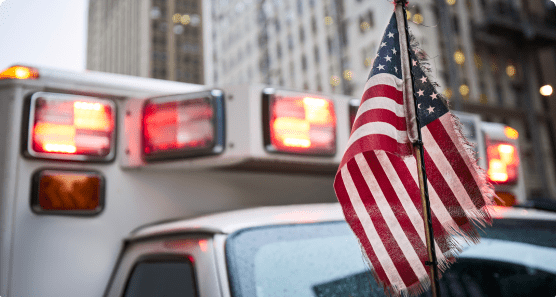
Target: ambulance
<point x="87" y="158"/>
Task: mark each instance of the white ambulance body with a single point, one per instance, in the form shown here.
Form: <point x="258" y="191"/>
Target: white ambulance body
<point x="57" y="127"/>
<point x="86" y="158"/>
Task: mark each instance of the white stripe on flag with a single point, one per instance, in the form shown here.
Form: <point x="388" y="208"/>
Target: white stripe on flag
<point x="437" y="207"/>
<point x="380" y="103"/>
<point x="405" y="199"/>
<point x="384" y="79"/>
<point x="444" y="166"/>
<point x="370" y="231"/>
<point x="378" y="128"/>
<point x="393" y="224"/>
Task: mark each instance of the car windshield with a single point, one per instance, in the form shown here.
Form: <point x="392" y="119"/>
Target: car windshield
<point x="514" y="258"/>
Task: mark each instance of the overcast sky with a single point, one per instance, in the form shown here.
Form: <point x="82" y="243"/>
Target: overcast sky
<point x="51" y="33"/>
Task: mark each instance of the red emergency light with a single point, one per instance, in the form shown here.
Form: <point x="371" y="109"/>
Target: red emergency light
<point x="183" y="126"/>
<point x="298" y="123"/>
<point x="71" y="127"/>
<point x="503" y="162"/>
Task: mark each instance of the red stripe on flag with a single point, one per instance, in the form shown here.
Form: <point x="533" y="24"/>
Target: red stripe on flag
<point x="413" y="189"/>
<point x="383" y="91"/>
<point x="402" y="266"/>
<point x="396" y="206"/>
<point x="438" y="132"/>
<point x="443" y="190"/>
<point x="380" y="115"/>
<point x="356" y="226"/>
<point x="375" y="142"/>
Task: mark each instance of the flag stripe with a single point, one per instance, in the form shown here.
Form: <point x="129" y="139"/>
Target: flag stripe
<point x="408" y="177"/>
<point x="459" y="158"/>
<point x="447" y="166"/>
<point x="378" y="128"/>
<point x="380" y="103"/>
<point x="375" y="142"/>
<point x="437" y="207"/>
<point x="383" y="91"/>
<point x="356" y="225"/>
<point x="411" y="209"/>
<point x="380" y="115"/>
<point x="444" y="190"/>
<point x="370" y="232"/>
<point x="394" y="251"/>
<point x="377" y="179"/>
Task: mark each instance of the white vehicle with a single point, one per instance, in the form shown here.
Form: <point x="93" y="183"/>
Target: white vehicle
<point x="87" y="158"/>
<point x="309" y="250"/>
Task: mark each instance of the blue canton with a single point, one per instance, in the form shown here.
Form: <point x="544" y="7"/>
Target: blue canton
<point x="429" y="105"/>
<point x="388" y="58"/>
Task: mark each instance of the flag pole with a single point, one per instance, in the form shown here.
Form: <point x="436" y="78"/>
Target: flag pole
<point x="419" y="155"/>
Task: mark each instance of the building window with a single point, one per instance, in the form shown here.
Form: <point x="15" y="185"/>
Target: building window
<point x="304" y="62"/>
<point x="314" y="24"/>
<point x="301" y="34"/>
<point x="300" y="7"/>
<point x="279" y="50"/>
<point x="290" y="42"/>
<point x="317" y="56"/>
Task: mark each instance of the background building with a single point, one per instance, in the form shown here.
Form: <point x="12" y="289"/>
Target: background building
<point x="151" y="38"/>
<point x="490" y="56"/>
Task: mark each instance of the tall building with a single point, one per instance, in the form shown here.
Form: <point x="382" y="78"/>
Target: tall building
<point x="489" y="56"/>
<point x="151" y="38"/>
<point x="497" y="54"/>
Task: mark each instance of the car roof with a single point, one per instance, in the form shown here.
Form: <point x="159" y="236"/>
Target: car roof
<point x="231" y="221"/>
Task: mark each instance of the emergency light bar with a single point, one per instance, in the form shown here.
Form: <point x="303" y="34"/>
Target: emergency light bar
<point x="71" y="127"/>
<point x="183" y="126"/>
<point x="298" y="123"/>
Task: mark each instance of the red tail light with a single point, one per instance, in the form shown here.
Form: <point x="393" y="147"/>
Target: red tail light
<point x="182" y="126"/>
<point x="503" y="162"/>
<point x="71" y="127"/>
<point x="299" y="123"/>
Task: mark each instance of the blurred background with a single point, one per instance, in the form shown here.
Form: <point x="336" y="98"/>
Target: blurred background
<point x="495" y="58"/>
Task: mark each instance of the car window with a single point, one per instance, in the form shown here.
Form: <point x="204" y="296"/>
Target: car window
<point x="162" y="277"/>
<point x="515" y="258"/>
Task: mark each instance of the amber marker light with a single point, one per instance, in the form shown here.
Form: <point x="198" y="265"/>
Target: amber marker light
<point x="511" y="133"/>
<point x="67" y="192"/>
<point x="19" y="72"/>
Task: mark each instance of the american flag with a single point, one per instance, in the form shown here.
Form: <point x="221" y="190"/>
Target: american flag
<point x="377" y="181"/>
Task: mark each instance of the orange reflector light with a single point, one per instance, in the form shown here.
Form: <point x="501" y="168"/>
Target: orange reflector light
<point x="71" y="127"/>
<point x="511" y="133"/>
<point x="183" y="126"/>
<point x="505" y="199"/>
<point x="20" y="72"/>
<point x="67" y="192"/>
<point x="299" y="123"/>
<point x="503" y="162"/>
